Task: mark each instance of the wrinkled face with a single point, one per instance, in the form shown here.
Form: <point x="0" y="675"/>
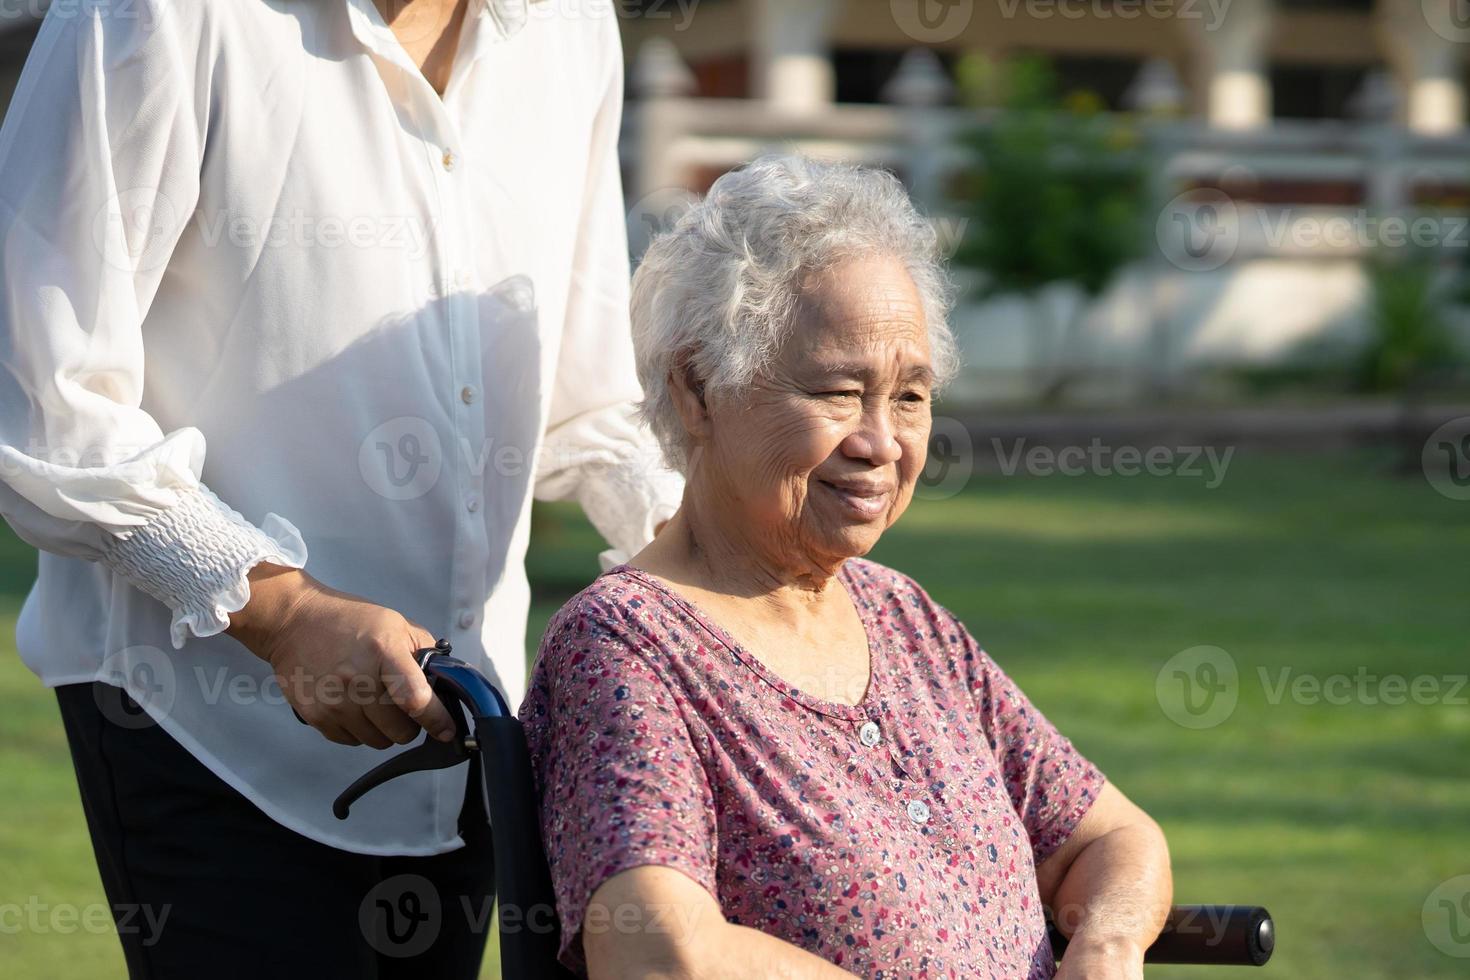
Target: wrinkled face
<point x="821" y="454"/>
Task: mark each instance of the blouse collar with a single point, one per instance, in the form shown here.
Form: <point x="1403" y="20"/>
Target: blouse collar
<point x="485" y="20"/>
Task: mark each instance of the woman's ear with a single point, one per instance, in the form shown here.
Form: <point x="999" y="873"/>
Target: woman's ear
<point x="687" y="390"/>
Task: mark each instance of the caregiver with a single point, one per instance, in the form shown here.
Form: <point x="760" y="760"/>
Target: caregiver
<point x="372" y="255"/>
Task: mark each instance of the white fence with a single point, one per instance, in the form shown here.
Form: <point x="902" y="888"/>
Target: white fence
<point x="1259" y="234"/>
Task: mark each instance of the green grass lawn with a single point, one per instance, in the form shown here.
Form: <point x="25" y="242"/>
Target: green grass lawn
<point x="1341" y="818"/>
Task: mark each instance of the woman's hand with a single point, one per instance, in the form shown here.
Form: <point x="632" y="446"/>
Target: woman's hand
<point x="1101" y="960"/>
<point x="345" y="664"/>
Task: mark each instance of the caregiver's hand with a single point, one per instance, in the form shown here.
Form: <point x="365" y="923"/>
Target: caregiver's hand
<point x="346" y="664"/>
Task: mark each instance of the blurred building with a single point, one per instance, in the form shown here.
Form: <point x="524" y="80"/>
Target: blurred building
<point x="1282" y="133"/>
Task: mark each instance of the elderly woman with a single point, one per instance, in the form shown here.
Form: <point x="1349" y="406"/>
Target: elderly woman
<point x="758" y="753"/>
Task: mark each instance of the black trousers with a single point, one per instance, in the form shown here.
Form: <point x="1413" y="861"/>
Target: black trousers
<point x="204" y="884"/>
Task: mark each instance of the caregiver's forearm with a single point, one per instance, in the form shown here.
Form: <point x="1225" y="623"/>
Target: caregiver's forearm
<point x="1116" y="893"/>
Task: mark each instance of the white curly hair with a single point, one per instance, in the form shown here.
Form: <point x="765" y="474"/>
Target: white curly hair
<point x="717" y="292"/>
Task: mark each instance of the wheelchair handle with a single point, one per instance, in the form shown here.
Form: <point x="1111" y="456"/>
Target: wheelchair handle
<point x="1208" y="935"/>
<point x="530" y="934"/>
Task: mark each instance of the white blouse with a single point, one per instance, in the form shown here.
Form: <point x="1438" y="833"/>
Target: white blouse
<point x="392" y="317"/>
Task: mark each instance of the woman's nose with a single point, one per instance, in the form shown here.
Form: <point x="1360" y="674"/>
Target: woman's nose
<point x="875" y="440"/>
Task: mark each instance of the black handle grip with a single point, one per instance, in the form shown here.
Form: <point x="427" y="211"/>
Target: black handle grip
<point x="1206" y="935"/>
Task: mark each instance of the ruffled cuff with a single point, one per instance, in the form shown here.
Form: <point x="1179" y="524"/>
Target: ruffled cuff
<point x="194" y="558"/>
<point x="627" y="501"/>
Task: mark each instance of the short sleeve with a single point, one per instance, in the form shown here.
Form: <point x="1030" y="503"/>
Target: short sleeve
<point x="620" y="780"/>
<point x="1050" y="783"/>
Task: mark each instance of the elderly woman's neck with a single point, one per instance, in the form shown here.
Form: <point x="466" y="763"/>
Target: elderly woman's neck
<point x="699" y="548"/>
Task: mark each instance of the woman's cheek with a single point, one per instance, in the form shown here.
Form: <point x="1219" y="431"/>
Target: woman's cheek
<point x="808" y="438"/>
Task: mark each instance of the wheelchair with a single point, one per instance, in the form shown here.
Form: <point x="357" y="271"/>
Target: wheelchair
<point x="491" y="736"/>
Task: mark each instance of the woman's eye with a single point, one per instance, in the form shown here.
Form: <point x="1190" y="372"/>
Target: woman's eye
<point x="845" y="393"/>
<point x="913" y="396"/>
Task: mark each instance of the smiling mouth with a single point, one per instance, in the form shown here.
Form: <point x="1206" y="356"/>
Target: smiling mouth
<point x="863" y="502"/>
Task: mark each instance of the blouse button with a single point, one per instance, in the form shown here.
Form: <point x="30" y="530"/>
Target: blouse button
<point x="918" y="811"/>
<point x="448" y="159"/>
<point x="466" y="619"/>
<point x="869" y="734"/>
<point x="467" y="394"/>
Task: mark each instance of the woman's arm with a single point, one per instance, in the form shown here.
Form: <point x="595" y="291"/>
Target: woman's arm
<point x="1109" y="888"/>
<point x="656" y="923"/>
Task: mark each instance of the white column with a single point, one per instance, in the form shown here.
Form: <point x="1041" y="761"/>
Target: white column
<point x="791" y="65"/>
<point x="1424" y="42"/>
<point x="661" y="84"/>
<point x="920" y="86"/>
<point x="1230" y="54"/>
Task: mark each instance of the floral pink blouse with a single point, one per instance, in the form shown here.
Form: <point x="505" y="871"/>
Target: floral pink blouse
<point x="897" y="837"/>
